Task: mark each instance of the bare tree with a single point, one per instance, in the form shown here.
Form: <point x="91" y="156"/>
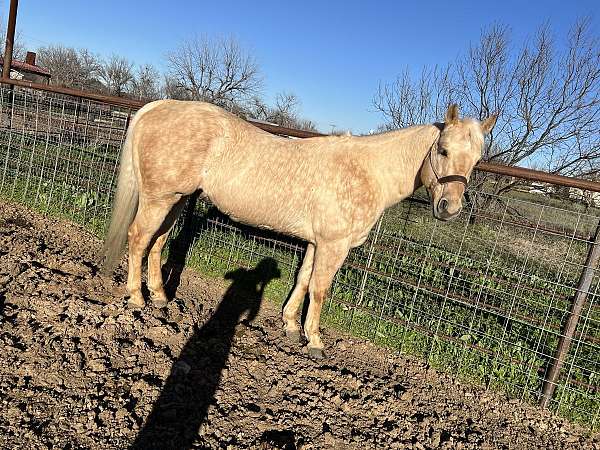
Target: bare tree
<point x="219" y="71"/>
<point x="286" y="108"/>
<point x="117" y="74"/>
<point x="213" y="70"/>
<point x="145" y="84"/>
<point x="173" y="89"/>
<point x="70" y="67"/>
<point x="284" y="112"/>
<point x="548" y="100"/>
<point x="407" y="101"/>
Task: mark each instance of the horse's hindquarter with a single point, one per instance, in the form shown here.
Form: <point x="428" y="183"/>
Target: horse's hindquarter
<point x="172" y="141"/>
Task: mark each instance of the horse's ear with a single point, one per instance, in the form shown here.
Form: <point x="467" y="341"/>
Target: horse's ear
<point x="488" y="124"/>
<point x="451" y="114"/>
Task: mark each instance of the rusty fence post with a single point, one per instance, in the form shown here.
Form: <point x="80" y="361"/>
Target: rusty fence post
<point x="10" y="38"/>
<point x="8" y="52"/>
<point x="566" y="338"/>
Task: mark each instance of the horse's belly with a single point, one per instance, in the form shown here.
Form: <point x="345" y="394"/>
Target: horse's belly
<point x="264" y="213"/>
<point x="263" y="193"/>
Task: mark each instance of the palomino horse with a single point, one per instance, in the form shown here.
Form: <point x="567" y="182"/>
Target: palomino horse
<point x="326" y="190"/>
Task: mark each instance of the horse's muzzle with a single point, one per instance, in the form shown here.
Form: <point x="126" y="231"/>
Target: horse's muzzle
<point x="445" y="211"/>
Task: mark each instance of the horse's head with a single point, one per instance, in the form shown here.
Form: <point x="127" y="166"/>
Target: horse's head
<point x="446" y="169"/>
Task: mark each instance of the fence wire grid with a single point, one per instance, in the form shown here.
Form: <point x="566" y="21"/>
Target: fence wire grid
<point x="484" y="297"/>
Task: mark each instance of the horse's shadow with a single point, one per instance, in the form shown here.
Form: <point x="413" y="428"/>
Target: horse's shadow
<point x="190" y="388"/>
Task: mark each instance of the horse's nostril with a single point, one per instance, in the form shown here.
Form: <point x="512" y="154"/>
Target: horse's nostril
<point x="443" y="205"/>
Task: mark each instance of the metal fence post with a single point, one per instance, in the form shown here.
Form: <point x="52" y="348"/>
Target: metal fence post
<point x="583" y="287"/>
<point x="10" y="38"/>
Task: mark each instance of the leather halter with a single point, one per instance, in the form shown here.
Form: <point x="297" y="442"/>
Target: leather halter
<point x="448" y="178"/>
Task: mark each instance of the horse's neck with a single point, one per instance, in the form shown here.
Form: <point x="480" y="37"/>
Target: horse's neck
<point x="398" y="160"/>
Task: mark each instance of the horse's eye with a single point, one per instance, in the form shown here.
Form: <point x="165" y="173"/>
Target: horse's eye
<point x="442" y="151"/>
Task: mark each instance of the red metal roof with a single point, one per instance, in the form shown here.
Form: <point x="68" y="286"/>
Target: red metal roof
<point x="20" y="65"/>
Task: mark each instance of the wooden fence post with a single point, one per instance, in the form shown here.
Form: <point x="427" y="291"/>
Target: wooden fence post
<point x="566" y="338"/>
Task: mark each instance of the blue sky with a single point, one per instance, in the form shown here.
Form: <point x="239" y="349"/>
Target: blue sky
<point x="331" y="54"/>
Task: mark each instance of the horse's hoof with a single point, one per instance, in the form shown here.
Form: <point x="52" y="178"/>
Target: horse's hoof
<point x="316" y="353"/>
<point x="293" y="335"/>
<point x="159" y="302"/>
<point x="136" y="303"/>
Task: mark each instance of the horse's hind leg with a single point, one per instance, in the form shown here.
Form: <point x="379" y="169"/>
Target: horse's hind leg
<point x="155" y="280"/>
<point x="292" y="307"/>
<point x="329" y="257"/>
<point x="149" y="218"/>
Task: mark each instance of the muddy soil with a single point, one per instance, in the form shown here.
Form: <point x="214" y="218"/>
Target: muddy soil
<point x="78" y="369"/>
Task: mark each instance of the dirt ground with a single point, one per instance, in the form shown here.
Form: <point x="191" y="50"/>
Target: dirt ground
<point x="213" y="370"/>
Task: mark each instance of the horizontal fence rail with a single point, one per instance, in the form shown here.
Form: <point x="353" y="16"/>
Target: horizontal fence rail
<point x="489" y="297"/>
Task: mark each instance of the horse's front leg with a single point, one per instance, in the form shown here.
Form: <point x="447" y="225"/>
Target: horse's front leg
<point x="329" y="257"/>
<point x="292" y="307"/>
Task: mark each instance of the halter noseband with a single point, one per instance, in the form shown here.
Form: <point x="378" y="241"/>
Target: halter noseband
<point x="447" y="178"/>
<point x="451" y="178"/>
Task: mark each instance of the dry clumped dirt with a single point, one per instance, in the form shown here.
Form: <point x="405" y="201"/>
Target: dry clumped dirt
<point x="212" y="370"/>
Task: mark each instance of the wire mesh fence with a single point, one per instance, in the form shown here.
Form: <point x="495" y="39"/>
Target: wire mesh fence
<point x="485" y="297"/>
<point x="60" y="153"/>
